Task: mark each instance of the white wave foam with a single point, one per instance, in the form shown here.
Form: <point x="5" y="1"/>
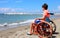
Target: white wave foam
<point x="1" y="25"/>
<point x="14" y="13"/>
<point x="28" y="21"/>
<point x="4" y="24"/>
<point x="13" y="24"/>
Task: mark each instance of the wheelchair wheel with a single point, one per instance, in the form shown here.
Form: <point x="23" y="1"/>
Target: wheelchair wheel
<point x="44" y="29"/>
<point x="53" y="25"/>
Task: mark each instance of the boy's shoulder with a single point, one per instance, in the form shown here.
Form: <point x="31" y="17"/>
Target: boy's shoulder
<point x="46" y="11"/>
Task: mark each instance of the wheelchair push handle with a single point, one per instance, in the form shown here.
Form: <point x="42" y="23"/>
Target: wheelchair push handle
<point x="51" y="13"/>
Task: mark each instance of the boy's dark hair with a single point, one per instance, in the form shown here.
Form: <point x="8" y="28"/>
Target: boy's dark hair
<point x="45" y="6"/>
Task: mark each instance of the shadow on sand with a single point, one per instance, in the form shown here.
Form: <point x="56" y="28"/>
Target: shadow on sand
<point x="54" y="34"/>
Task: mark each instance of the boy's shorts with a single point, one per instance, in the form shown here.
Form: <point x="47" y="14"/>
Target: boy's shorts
<point x="38" y="21"/>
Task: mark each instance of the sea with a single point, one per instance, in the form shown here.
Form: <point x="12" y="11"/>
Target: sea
<point x="8" y="21"/>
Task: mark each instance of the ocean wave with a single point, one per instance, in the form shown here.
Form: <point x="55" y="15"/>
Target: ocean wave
<point x="14" y="13"/>
<point x="11" y="24"/>
<point x="3" y="24"/>
<point x="28" y="21"/>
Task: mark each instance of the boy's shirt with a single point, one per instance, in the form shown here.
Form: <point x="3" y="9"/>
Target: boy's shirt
<point x="46" y="13"/>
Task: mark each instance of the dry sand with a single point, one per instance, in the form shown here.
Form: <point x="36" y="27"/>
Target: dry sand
<point x="21" y="32"/>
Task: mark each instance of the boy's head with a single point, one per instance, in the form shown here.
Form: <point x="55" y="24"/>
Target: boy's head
<point x="45" y="6"/>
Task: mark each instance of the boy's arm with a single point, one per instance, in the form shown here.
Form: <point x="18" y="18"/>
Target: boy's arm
<point x="44" y="16"/>
<point x="41" y="18"/>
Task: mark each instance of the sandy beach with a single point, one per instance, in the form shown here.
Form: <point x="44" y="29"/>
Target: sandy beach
<point x="21" y="32"/>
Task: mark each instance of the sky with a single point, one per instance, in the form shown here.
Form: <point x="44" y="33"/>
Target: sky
<point x="28" y="6"/>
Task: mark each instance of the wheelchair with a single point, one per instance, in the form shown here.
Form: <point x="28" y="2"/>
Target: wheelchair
<point x="46" y="28"/>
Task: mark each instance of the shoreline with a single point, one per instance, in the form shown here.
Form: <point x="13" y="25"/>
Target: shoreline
<point x="6" y="27"/>
<point x="21" y="31"/>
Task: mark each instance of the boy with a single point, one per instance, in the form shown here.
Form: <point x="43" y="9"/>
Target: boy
<point x="45" y="17"/>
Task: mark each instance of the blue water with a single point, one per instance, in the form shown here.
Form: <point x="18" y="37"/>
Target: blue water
<point x="14" y="20"/>
<point x="5" y="18"/>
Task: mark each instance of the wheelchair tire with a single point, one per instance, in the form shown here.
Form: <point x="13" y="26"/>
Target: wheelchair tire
<point x="53" y="25"/>
<point x="42" y="32"/>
